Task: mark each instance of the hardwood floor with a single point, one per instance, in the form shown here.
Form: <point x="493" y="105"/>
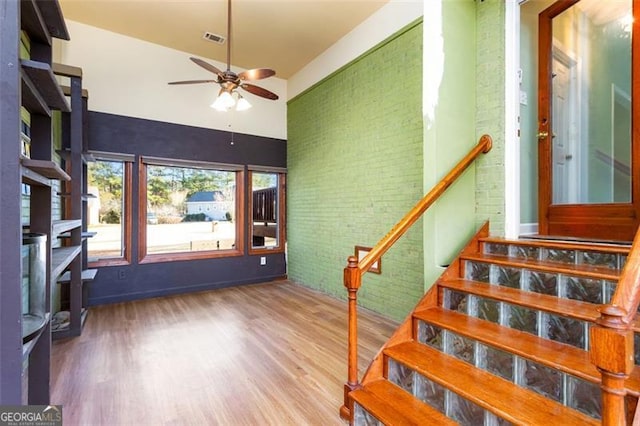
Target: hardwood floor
<point x="265" y="354"/>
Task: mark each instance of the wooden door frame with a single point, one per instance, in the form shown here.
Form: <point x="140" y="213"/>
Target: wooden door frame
<point x="597" y="221"/>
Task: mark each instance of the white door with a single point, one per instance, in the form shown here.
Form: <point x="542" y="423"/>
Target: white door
<point x="564" y="137"/>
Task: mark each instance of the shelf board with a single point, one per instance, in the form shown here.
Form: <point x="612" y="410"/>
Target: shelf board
<point x="32" y="178"/>
<point x="31" y="98"/>
<point x="45" y="168"/>
<point x="87" y="275"/>
<point x="60" y="226"/>
<point x="61" y="258"/>
<point x="84" y="235"/>
<point x="33" y="22"/>
<point x="43" y="79"/>
<point x="66" y="70"/>
<point x="52" y="14"/>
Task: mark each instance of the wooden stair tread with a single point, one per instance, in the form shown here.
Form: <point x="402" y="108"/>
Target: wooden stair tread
<point x="501" y="397"/>
<point x="587" y="271"/>
<point x="565" y="358"/>
<point x="562" y="245"/>
<point x="393" y="406"/>
<point x="568" y="308"/>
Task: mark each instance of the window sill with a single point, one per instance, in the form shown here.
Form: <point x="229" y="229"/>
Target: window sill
<point x="199" y="255"/>
<point x="108" y="262"/>
<point x="264" y="250"/>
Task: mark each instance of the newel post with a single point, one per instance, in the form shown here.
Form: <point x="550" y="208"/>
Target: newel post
<point x="352" y="280"/>
<point x="611" y="351"/>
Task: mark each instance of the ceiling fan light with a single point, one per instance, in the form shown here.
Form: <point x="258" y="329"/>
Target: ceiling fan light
<point x="218" y="105"/>
<point x="227" y="100"/>
<point x="223" y="102"/>
<point x="242" y="104"/>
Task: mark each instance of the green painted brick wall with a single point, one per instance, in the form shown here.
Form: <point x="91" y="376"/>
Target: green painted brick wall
<point x="490" y="112"/>
<point x="355" y="167"/>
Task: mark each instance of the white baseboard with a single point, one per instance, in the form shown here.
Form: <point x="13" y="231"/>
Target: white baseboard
<point x="528" y="228"/>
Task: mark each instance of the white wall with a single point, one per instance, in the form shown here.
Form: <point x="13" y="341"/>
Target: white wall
<point x="127" y="76"/>
<point x="385" y="22"/>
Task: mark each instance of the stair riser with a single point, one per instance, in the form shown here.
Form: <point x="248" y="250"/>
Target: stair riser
<point x="362" y="417"/>
<point x="440" y="398"/>
<point x="571" y="287"/>
<point x="561" y="387"/>
<point x="570" y="257"/>
<point x="548" y="326"/>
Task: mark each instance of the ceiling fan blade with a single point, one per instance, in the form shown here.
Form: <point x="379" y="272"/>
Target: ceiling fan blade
<point x="259" y="91"/>
<point x="256" y="74"/>
<point x="193" y="81"/>
<point x="207" y="66"/>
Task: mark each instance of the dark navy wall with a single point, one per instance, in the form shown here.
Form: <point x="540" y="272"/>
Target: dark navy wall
<point x="119" y="134"/>
<point x="115" y="133"/>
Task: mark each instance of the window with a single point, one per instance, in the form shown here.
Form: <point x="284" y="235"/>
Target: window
<point x="266" y="211"/>
<point x="109" y="210"/>
<point x="196" y="209"/>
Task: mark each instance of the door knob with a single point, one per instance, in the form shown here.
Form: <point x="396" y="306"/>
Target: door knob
<point x="542" y="135"/>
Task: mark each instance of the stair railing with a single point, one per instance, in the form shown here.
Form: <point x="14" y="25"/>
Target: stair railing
<point x="354" y="270"/>
<point x="611" y="340"/>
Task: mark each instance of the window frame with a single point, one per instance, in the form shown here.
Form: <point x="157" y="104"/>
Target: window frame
<point x="127" y="210"/>
<point x="282" y="208"/>
<point x="143" y="256"/>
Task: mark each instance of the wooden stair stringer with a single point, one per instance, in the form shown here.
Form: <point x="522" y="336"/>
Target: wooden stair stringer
<point x="404" y="332"/>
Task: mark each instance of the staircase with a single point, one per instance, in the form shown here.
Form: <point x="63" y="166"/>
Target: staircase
<point x="501" y="338"/>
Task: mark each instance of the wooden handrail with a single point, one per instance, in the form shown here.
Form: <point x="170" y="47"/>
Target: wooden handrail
<point x="611" y="340"/>
<point x="354" y="270"/>
<point x="627" y="294"/>
<point x="484" y="145"/>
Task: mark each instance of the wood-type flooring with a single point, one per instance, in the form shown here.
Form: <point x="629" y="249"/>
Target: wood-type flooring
<point x="264" y="354"/>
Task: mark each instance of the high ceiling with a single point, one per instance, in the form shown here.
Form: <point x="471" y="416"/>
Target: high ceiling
<point x="283" y="35"/>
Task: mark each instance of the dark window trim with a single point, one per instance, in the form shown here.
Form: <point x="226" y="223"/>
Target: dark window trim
<point x="127" y="219"/>
<point x="282" y="237"/>
<point x="144" y="257"/>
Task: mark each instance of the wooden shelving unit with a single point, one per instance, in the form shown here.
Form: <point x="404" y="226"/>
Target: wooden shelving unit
<point x="73" y="153"/>
<point x="30" y="83"/>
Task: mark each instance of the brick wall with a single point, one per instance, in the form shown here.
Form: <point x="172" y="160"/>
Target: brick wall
<point x="355" y="167"/>
<point x="490" y="112"/>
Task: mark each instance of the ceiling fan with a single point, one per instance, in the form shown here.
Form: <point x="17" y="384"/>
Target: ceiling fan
<point x="229" y="81"/>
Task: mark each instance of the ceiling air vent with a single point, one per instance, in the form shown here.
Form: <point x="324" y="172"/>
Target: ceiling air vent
<point x="216" y="38"/>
